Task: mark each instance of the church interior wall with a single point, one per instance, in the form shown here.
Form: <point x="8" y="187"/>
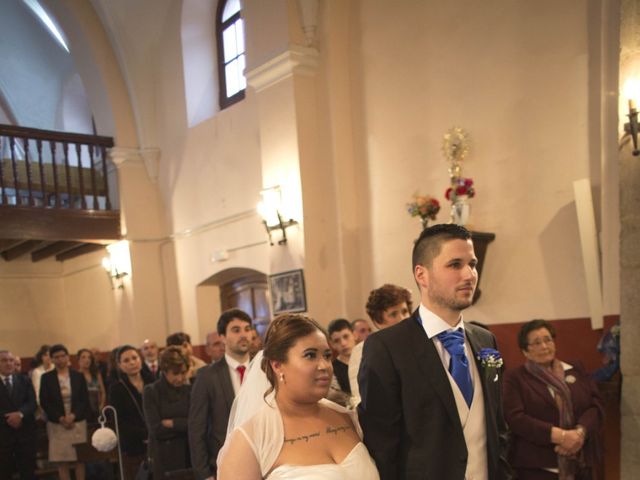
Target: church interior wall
<point x="526" y="151"/>
<point x="365" y="134"/>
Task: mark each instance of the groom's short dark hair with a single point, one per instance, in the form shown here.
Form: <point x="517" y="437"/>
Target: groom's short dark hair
<point x="429" y="243"/>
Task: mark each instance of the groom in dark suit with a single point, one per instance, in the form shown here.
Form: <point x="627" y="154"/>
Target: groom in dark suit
<point x="430" y="408"/>
<point x="17" y="423"/>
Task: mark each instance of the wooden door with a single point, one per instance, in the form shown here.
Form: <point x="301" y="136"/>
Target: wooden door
<point x="249" y="293"/>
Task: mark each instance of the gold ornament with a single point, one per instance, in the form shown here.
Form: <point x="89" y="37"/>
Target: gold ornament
<point x="455" y="145"/>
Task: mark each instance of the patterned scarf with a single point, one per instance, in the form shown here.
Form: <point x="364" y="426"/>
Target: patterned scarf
<point x="554" y="379"/>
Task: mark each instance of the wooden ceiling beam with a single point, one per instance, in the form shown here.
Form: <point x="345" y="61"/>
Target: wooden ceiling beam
<point x="53" y="249"/>
<point x="7" y="243"/>
<point x="21" y="249"/>
<point x="80" y="250"/>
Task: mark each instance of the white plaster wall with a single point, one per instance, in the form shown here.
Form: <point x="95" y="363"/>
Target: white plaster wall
<point x="209" y="179"/>
<point x="514" y="75"/>
<point x="52" y="302"/>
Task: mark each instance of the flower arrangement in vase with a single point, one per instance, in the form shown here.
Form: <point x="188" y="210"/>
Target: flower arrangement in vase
<point x="425" y="207"/>
<point x="461" y="187"/>
<point x="455" y="147"/>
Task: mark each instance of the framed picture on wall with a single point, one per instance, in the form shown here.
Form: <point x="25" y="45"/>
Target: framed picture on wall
<point x="287" y="292"/>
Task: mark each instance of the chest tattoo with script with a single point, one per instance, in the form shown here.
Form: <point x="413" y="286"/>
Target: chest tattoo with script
<point x="330" y="430"/>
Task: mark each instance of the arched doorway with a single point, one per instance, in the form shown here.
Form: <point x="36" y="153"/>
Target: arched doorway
<point x="246" y="289"/>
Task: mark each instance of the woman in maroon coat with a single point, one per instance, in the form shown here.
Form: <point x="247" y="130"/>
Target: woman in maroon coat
<point x="554" y="412"/>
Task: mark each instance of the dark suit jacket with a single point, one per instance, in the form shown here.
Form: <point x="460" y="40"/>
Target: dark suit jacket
<point x="408" y="412"/>
<point x="146" y="372"/>
<point x="211" y="399"/>
<point x="127" y="401"/>
<point x="531" y="411"/>
<point x="22" y="399"/>
<point x="51" y="398"/>
<point x="169" y="447"/>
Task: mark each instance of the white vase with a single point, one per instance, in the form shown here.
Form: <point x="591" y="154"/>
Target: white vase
<point x="460" y="211"/>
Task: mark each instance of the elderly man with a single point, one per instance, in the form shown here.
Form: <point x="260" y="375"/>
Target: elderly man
<point x="17" y="422"/>
<point x="214" y="346"/>
<point x="149" y="351"/>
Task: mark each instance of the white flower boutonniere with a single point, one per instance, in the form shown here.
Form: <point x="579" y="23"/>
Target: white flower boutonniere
<point x="491" y="362"/>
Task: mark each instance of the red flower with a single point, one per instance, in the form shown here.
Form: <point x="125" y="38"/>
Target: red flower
<point x="468" y="182"/>
<point x="461" y="190"/>
<point x="447" y="194"/>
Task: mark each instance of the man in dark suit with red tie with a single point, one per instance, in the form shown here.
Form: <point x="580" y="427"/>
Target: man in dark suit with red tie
<point x="431" y="408"/>
<point x="213" y="392"/>
<point x="149" y="351"/>
<point x="17" y="422"/>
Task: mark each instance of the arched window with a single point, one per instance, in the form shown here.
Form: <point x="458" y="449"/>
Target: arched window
<point x="231" y="56"/>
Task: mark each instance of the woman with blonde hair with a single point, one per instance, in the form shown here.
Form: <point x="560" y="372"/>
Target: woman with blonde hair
<point x="296" y="432"/>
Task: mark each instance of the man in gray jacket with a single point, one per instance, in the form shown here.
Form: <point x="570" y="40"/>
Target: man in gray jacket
<point x="213" y="392"/>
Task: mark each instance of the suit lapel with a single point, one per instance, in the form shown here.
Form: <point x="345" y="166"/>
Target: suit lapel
<point x="476" y="346"/>
<point x="430" y="364"/>
<point x="227" y="386"/>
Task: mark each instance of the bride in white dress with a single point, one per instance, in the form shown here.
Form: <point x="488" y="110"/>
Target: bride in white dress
<point x="295" y="433"/>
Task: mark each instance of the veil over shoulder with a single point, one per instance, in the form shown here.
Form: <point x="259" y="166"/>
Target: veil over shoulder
<point x="250" y="398"/>
<point x="249" y="401"/>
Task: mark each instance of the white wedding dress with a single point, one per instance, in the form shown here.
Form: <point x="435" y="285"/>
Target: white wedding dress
<point x="356" y="466"/>
<point x="260" y="423"/>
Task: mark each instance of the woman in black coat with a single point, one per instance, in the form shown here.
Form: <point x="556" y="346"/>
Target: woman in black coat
<point x="166" y="408"/>
<point x="65" y="400"/>
<point x="125" y="396"/>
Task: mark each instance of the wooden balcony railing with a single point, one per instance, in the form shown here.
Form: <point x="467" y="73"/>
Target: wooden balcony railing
<point x="49" y="169"/>
<point x="57" y="191"/>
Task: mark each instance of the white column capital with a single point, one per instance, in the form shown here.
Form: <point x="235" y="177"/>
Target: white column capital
<point x="297" y="60"/>
<point x="147" y="157"/>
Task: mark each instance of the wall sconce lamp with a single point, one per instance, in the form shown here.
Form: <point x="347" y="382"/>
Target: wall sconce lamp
<point x="632" y="92"/>
<point x="270" y="209"/>
<point x="117" y="263"/>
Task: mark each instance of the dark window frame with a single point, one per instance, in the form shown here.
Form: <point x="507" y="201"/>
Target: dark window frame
<point x="222" y="76"/>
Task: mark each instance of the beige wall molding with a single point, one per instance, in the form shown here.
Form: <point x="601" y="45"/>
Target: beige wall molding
<point x="298" y="59"/>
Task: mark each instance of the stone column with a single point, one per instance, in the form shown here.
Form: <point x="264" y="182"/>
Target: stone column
<point x="629" y="254"/>
<point x="147" y="307"/>
<point x="282" y="70"/>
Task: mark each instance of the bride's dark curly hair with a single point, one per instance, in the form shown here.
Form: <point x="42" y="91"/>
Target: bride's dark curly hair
<point x="282" y="334"/>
